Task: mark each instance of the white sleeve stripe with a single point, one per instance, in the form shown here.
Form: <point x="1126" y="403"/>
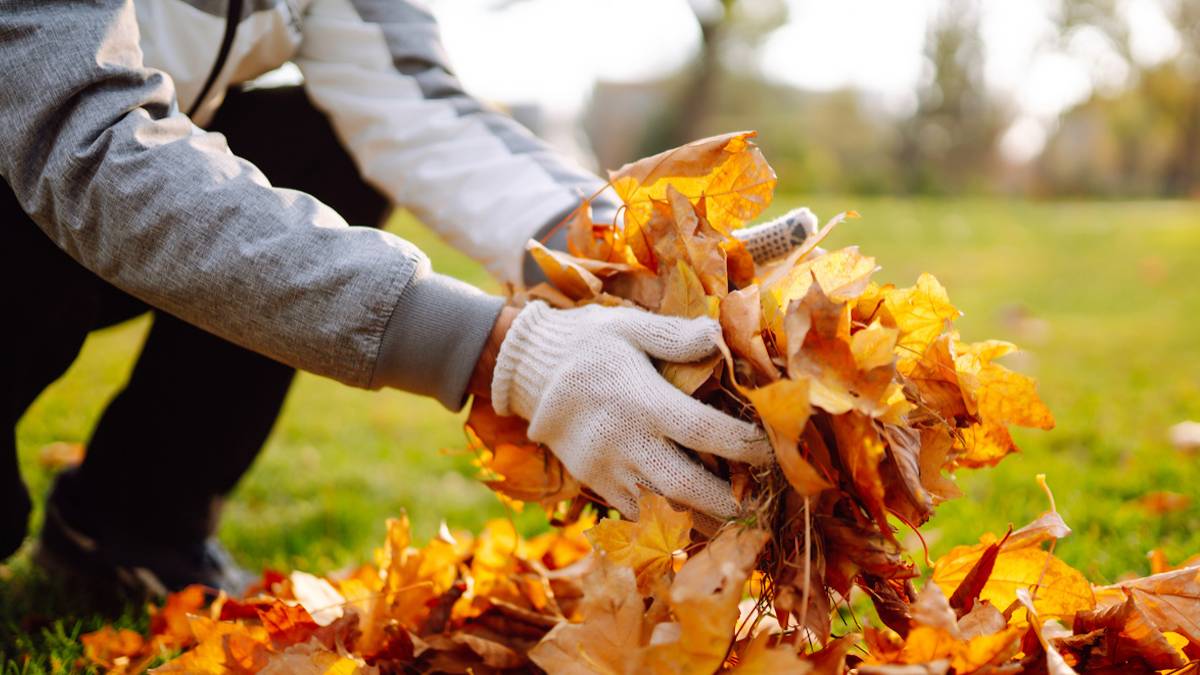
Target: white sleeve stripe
<point x="474" y="175"/>
<point x="414" y="42"/>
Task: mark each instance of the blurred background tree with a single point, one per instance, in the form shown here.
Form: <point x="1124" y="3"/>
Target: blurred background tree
<point x="1143" y="139"/>
<point x="1054" y="98"/>
<point x="949" y="142"/>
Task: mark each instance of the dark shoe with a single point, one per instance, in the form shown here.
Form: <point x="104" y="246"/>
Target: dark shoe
<point x="130" y="569"/>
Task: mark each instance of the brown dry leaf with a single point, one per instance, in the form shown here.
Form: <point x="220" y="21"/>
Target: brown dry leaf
<point x="935" y="450"/>
<point x="983" y="619"/>
<point x="701" y="243"/>
<point x="650" y="545"/>
<point x="286" y="624"/>
<point x="874" y="346"/>
<point x="726" y="176"/>
<point x="1055" y="663"/>
<point x="759" y="658"/>
<point x="565" y="273"/>
<point x="818" y="350"/>
<point x="312" y="658"/>
<point x="862" y="450"/>
<point x="936" y="379"/>
<point x="1020" y="565"/>
<point x="1170" y="600"/>
<point x="704" y="600"/>
<point x="966" y="595"/>
<point x="590" y="240"/>
<point x="609" y="636"/>
<point x="904" y="449"/>
<point x="1132" y="642"/>
<point x="852" y="548"/>
<point x="688" y="377"/>
<point x="935" y="637"/>
<point x="931" y="609"/>
<point x="529" y="473"/>
<point x="684" y="294"/>
<point x="783" y="407"/>
<point x="515" y="466"/>
<point x="741" y="324"/>
<point x="739" y="262"/>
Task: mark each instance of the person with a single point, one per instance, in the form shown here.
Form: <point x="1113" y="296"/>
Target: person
<point x="140" y="174"/>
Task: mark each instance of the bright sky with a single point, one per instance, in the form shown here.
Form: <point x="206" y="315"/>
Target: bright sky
<point x="551" y="52"/>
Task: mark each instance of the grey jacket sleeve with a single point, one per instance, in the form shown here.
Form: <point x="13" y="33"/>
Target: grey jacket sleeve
<point x="92" y="145"/>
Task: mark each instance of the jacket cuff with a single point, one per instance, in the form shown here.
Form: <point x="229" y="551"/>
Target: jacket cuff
<point x="434" y="337"/>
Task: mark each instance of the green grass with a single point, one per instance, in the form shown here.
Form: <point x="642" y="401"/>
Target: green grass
<point x="1114" y="345"/>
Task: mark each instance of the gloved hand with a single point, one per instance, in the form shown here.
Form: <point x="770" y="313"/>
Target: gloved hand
<point x="776" y="238"/>
<point x="584" y="380"/>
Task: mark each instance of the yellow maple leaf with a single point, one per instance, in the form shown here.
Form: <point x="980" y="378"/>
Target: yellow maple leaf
<point x="921" y="313"/>
<point x="726" y="176"/>
<point x="1022" y="564"/>
<point x="649" y="546"/>
<point x="995" y="393"/>
<point x="842" y="275"/>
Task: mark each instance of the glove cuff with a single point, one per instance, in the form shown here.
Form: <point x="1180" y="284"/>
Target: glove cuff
<point x="529" y="353"/>
<point x="776" y="238"/>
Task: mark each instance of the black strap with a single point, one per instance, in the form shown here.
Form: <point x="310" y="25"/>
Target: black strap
<point x="232" y="19"/>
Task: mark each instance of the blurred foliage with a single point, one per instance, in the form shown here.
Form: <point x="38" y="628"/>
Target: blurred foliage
<point x="1143" y="140"/>
<point x="1140" y="139"/>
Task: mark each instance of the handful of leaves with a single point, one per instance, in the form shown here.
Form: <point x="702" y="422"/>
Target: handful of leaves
<point x="867" y="392"/>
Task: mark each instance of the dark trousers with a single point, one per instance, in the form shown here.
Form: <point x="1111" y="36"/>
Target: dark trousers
<point x="196" y="409"/>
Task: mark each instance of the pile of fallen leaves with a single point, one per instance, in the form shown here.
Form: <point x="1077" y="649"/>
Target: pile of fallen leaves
<point x="867" y="392"/>
<point x="646" y="599"/>
<point x="870" y="399"/>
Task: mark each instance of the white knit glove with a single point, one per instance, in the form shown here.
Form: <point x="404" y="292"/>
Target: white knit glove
<point x="775" y="239"/>
<point x="584" y="380"/>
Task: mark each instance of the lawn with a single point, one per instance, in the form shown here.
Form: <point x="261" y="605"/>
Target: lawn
<point x="1102" y="295"/>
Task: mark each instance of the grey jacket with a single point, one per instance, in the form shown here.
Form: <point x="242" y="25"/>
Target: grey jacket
<point x="94" y="147"/>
